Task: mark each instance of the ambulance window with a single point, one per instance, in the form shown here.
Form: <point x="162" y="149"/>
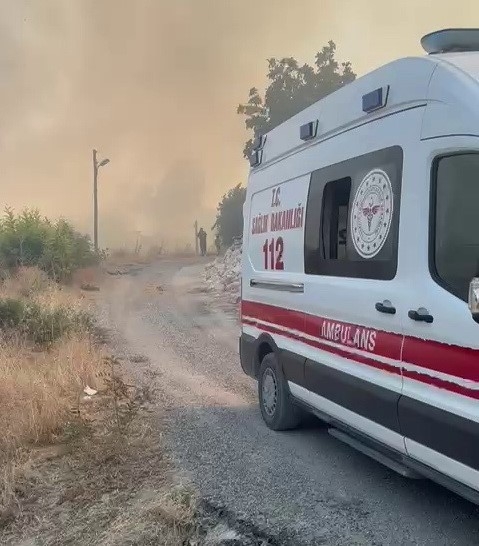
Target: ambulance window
<point x="352" y="217"/>
<point x="335" y="219"/>
<point x="455" y="249"/>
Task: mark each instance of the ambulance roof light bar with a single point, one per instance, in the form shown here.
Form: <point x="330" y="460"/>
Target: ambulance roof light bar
<point x="451" y="40"/>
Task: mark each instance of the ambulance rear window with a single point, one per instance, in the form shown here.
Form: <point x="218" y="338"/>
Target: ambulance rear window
<point x="455" y="249"/>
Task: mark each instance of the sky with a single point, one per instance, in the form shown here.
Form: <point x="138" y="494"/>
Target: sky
<point x="154" y="85"/>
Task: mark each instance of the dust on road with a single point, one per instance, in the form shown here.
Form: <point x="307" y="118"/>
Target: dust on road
<point x="300" y="487"/>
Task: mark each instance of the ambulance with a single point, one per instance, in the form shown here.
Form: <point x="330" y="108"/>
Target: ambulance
<point x="360" y="268"/>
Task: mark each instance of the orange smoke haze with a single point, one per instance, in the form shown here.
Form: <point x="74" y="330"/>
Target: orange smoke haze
<point x="154" y="86"/>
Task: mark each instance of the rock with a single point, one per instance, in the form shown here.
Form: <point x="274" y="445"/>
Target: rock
<point x="224" y="274"/>
<point x="89" y="287"/>
<point x="220" y="535"/>
<point x="89" y="391"/>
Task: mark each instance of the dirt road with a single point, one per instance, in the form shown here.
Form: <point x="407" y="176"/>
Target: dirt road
<point x="301" y="487"/>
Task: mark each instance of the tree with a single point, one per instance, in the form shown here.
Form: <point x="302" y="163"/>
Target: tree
<point x="291" y="89"/>
<point x="229" y="215"/>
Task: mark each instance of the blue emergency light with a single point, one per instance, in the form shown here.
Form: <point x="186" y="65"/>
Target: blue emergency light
<point x="375" y="99"/>
<point x="308" y="130"/>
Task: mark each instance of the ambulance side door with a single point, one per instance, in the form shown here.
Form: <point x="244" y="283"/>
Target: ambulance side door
<point x="353" y="296"/>
<point x="439" y="407"/>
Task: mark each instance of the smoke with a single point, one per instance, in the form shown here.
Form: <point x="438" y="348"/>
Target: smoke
<point x="154" y="85"/>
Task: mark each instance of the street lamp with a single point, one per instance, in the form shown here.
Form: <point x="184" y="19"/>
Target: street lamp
<point x="96" y="166"/>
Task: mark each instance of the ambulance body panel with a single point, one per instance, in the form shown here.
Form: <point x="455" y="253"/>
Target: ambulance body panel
<point x="360" y="241"/>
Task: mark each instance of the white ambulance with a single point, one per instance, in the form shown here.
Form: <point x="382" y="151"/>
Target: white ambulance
<point x="360" y="275"/>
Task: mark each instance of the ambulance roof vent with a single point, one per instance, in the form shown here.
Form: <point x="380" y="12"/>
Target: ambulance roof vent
<point x="308" y="130"/>
<point x="451" y="40"/>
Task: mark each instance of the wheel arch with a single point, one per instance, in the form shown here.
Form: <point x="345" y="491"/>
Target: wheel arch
<point x="264" y="345"/>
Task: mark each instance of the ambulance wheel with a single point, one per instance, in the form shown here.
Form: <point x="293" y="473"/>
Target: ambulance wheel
<point x="277" y="409"/>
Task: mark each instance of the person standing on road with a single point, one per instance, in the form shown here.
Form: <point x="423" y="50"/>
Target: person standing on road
<point x="202" y="238"/>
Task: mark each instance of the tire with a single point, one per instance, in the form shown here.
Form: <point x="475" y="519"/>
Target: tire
<point x="277" y="409"/>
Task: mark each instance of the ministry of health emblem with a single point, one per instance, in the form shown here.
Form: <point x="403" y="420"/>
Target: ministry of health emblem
<point x="371" y="213"/>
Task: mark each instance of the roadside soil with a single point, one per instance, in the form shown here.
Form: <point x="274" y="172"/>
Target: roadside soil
<point x="180" y="455"/>
<point x="299" y="487"/>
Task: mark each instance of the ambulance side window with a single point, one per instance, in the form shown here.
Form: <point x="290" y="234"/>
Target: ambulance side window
<point x="454" y="249"/>
<point x="335" y="219"/>
<point x="352" y="217"/>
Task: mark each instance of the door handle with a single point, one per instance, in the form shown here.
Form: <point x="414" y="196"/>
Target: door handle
<point x="420" y="315"/>
<point x="385" y="307"/>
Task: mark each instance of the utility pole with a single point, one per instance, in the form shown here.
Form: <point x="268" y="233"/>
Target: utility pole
<point x="95" y="202"/>
<point x="196" y="237"/>
<point x="96" y="167"/>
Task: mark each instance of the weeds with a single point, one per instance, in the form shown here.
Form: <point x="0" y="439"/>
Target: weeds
<point x="126" y="399"/>
<point x="35" y="309"/>
<point x="39" y="389"/>
<point x="46" y="359"/>
<point x="39" y="324"/>
<point x="71" y="467"/>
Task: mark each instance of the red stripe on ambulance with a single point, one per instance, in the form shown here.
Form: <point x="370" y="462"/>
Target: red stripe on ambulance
<point x="458" y="362"/>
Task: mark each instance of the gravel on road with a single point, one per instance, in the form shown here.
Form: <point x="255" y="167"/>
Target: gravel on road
<point x="302" y="487"/>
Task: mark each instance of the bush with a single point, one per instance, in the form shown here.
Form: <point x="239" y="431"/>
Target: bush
<point x="41" y="324"/>
<point x="12" y="312"/>
<point x="28" y="239"/>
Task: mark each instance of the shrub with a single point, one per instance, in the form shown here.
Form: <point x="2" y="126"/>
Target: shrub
<point x="41" y="324"/>
<point x="28" y="239"/>
<point x="12" y="312"/>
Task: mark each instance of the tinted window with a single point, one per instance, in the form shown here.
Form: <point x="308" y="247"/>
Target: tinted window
<point x="353" y="215"/>
<point x="335" y="219"/>
<point x="456" y="242"/>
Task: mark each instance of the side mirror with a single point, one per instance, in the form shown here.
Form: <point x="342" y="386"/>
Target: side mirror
<point x="474" y="298"/>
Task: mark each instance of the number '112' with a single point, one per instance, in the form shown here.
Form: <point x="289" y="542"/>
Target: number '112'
<point x="273" y="254"/>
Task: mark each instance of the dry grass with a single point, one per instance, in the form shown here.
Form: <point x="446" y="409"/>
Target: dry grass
<point x="33" y="284"/>
<point x="111" y="484"/>
<point x="38" y="390"/>
<point x="39" y="387"/>
<point x="26" y="282"/>
<point x="40" y="394"/>
<point x="74" y="471"/>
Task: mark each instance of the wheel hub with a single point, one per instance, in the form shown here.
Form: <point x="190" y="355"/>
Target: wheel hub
<point x="269" y="392"/>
